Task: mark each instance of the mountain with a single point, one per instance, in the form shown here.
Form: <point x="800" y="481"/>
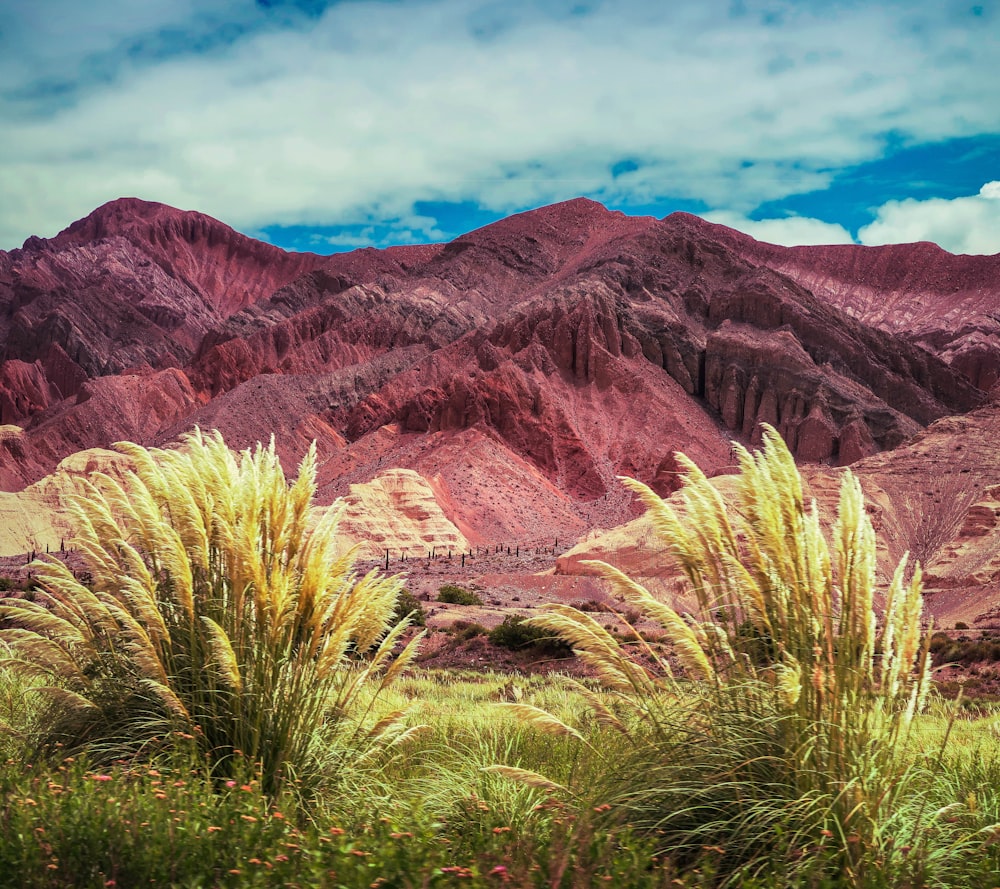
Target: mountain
<point x="134" y="284"/>
<point x="517" y="369"/>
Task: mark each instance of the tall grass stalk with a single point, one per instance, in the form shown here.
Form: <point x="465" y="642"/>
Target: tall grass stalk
<point x="216" y="607"/>
<point x="794" y="691"/>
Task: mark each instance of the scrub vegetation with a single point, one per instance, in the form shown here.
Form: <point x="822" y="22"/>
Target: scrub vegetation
<point x="226" y="702"/>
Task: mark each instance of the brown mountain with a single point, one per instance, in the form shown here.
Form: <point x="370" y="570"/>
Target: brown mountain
<point x="133" y="284"/>
<point x="518" y="369"/>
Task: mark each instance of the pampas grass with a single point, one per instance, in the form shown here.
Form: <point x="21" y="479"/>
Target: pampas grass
<point x="793" y="693"/>
<point x="218" y="609"/>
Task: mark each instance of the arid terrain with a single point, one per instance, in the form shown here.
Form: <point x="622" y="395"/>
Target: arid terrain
<point x="481" y="396"/>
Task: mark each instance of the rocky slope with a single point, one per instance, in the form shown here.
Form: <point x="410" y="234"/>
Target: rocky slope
<point x="944" y="303"/>
<point x="511" y="373"/>
<point x="935" y="497"/>
<point x="133" y="284"/>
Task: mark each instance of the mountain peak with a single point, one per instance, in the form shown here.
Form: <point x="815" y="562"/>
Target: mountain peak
<point x="134" y="216"/>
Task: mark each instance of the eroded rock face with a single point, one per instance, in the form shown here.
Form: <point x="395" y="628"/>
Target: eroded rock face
<point x="133" y="284"/>
<point x="944" y="303"/>
<point x="132" y="407"/>
<point x="399" y="512"/>
<point x="35" y="519"/>
<point x="933" y="498"/>
<point x="523" y="365"/>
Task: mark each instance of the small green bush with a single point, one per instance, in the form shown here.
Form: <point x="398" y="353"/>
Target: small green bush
<point x="514" y="634"/>
<point x="456" y="595"/>
<point x="463" y="630"/>
<point x="963" y="650"/>
<point x="409" y="605"/>
<point x="961" y="625"/>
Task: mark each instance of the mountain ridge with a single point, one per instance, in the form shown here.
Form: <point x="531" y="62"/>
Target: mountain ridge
<point x="538" y="357"/>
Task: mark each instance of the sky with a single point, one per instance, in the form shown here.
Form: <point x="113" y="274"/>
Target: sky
<point x="326" y="126"/>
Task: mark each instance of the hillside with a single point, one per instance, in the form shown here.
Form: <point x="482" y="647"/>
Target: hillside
<point x="515" y="370"/>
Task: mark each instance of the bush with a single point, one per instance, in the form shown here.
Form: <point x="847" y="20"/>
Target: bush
<point x="961" y="625"/>
<point x="408" y="605"/>
<point x="456" y="595"/>
<point x="463" y="630"/>
<point x="516" y="634"/>
<point x="963" y="650"/>
<point x="219" y="611"/>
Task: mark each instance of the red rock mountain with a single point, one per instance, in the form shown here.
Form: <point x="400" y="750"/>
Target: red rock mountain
<point x="518" y="368"/>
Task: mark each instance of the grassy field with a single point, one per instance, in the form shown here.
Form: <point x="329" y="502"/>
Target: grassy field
<point x="432" y="812"/>
<point x="221" y="700"/>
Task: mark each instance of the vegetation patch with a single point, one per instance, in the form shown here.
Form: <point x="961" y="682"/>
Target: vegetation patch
<point x="218" y="611"/>
<point x="783" y="737"/>
<point x="516" y="634"/>
<point x="963" y="650"/>
<point x="409" y="607"/>
<point x="451" y="594"/>
<point x="463" y="630"/>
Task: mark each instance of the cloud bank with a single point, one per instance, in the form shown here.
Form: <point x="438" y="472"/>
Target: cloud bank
<point x="962" y="225"/>
<point x="352" y="114"/>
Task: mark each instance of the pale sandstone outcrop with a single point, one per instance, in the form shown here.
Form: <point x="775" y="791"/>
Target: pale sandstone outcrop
<point x="397" y="511"/>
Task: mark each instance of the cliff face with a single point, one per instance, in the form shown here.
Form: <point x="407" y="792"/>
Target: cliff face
<point x="943" y="303"/>
<point x="134" y="284"/>
<point x="523" y="365"/>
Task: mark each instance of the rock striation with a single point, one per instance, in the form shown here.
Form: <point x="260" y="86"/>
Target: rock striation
<point x="517" y="369"/>
<point x="133" y="284"/>
<point x="398" y="511"/>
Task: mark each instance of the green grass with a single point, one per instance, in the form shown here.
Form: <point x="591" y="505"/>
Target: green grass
<point x="432" y="813"/>
<point x="223" y="708"/>
<point x="429" y="815"/>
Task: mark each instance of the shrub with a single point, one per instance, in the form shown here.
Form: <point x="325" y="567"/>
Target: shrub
<point x="408" y="606"/>
<point x="463" y="630"/>
<point x="797" y="694"/>
<point x="961" y="625"/>
<point x="514" y="633"/>
<point x="963" y="650"/>
<point x="219" y="610"/>
<point x="456" y="595"/>
<point x="6" y="584"/>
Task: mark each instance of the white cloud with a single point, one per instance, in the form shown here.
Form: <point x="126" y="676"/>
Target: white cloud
<point x="790" y="231"/>
<point x="960" y="225"/>
<point x="990" y="190"/>
<point x="375" y="105"/>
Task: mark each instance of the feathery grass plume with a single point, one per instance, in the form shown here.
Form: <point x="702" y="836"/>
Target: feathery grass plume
<point x="799" y="692"/>
<point x="526" y="776"/>
<point x="542" y="720"/>
<point x="689" y="649"/>
<point x="219" y="608"/>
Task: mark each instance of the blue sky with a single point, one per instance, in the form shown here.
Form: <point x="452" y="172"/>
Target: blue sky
<point x="327" y="126"/>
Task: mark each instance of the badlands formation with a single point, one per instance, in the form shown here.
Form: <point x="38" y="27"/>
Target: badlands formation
<point x="485" y="393"/>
